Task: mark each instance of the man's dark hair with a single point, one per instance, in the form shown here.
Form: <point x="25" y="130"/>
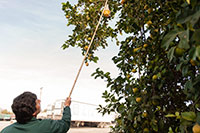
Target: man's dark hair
<point x="24" y="106"/>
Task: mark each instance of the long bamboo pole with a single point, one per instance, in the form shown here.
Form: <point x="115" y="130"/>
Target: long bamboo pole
<point x="87" y="51"/>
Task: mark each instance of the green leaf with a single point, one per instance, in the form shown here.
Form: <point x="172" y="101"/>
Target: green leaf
<point x="155" y="97"/>
<point x="155" y="128"/>
<point x="170" y="115"/>
<point x="95" y="59"/>
<point x="197" y="80"/>
<point x="170" y="130"/>
<point x="198" y="118"/>
<point x="195" y="36"/>
<point x="185" y="122"/>
<point x="184" y="39"/>
<point x="164" y="71"/>
<point x="154" y="125"/>
<point x="190" y="116"/>
<point x="170" y="54"/>
<point x="178" y="67"/>
<point x="189" y="15"/>
<point x="192" y="52"/>
<point x="120" y="108"/>
<point x="185" y="70"/>
<point x="188" y="85"/>
<point x="197" y="53"/>
<point x="168" y="38"/>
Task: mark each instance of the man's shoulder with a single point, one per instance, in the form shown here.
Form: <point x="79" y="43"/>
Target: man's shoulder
<point x="8" y="129"/>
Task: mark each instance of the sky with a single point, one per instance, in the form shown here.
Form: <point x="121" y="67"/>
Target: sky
<point x="31" y="35"/>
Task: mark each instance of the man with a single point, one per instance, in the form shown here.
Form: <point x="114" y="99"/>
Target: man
<point x="26" y="107"/>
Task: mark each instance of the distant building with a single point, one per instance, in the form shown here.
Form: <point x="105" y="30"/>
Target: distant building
<point x="83" y="114"/>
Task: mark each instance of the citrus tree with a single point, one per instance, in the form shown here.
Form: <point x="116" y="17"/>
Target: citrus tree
<point x="158" y="86"/>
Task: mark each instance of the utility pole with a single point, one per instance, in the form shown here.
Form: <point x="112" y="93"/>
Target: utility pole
<point x="41" y="93"/>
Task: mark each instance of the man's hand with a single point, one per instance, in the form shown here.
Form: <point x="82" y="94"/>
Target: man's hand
<point x="68" y="101"/>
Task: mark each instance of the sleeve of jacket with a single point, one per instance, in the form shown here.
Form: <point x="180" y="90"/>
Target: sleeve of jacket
<point x="63" y="125"/>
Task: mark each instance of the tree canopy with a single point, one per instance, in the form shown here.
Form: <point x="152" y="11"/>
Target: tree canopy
<point x="161" y="44"/>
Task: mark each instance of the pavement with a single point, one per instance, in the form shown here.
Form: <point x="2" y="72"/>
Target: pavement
<point x="89" y="130"/>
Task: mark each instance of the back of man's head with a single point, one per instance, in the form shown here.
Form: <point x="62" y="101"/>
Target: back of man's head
<point x="24" y="106"/>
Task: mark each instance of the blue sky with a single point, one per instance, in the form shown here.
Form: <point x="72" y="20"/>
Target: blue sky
<point x="31" y="35"/>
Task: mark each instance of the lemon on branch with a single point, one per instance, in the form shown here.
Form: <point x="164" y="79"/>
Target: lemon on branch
<point x="67" y="16"/>
<point x="136" y="49"/>
<point x="89" y="58"/>
<point x="150" y="10"/>
<point x="149" y="23"/>
<point x="89" y="38"/>
<point x="122" y="2"/>
<point x="196" y="128"/>
<point x="135" y="90"/>
<point x="128" y="76"/>
<point x="138" y="99"/>
<point x="134" y="70"/>
<point x="106" y="11"/>
<point x="193" y="62"/>
<point x="86" y="47"/>
<point x="155" y="77"/>
<point x="179" y="52"/>
<point x="145" y="45"/>
<point x="144" y="114"/>
<point x="146" y="130"/>
<point x="87" y="64"/>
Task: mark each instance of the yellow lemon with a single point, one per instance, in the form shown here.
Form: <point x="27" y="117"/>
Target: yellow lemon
<point x="89" y="38"/>
<point x="138" y="99"/>
<point x="86" y="47"/>
<point x="67" y="16"/>
<point x="145" y="45"/>
<point x="136" y="49"/>
<point x="156" y="30"/>
<point x="179" y="51"/>
<point x="122" y="2"/>
<point x="149" y="10"/>
<point x="135" y="90"/>
<point x="149" y="23"/>
<point x="196" y="128"/>
<point x="144" y="114"/>
<point x="128" y="76"/>
<point x="146" y="130"/>
<point x="193" y="62"/>
<point x="155" y="77"/>
<point x="133" y="70"/>
<point x="106" y="13"/>
<point x="89" y="58"/>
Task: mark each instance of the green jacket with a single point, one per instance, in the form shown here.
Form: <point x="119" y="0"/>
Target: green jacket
<point x="42" y="126"/>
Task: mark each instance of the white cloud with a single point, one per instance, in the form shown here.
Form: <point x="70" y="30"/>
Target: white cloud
<point x="3" y="3"/>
